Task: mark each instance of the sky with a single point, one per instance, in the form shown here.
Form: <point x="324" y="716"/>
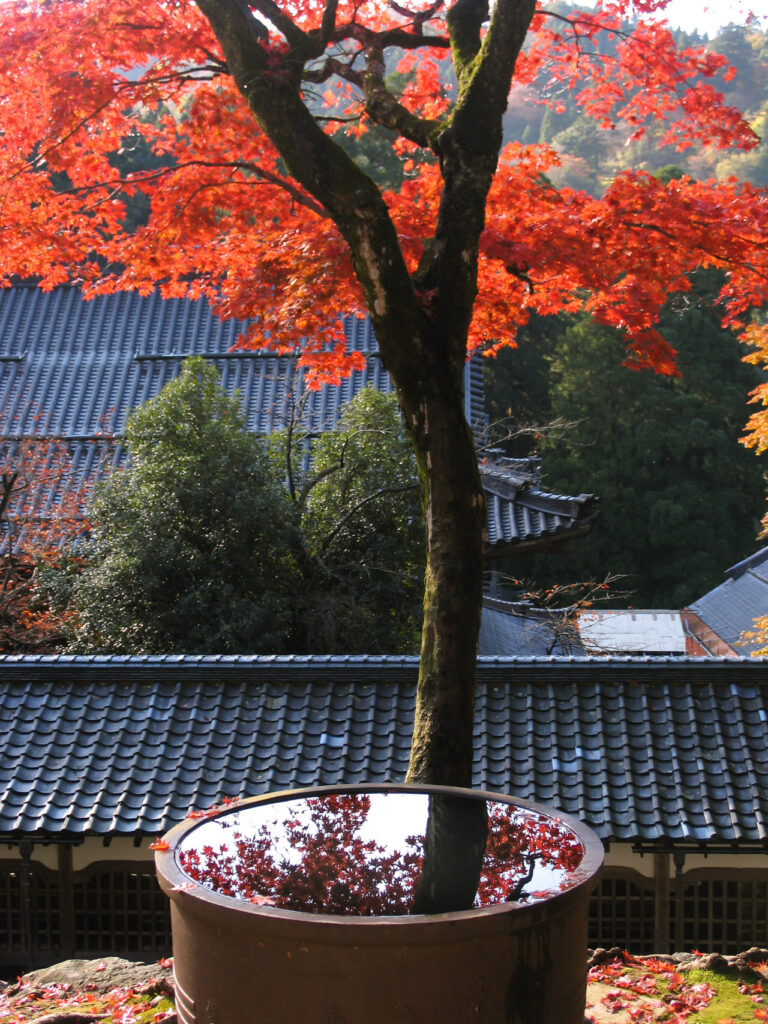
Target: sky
<point x="707" y="16"/>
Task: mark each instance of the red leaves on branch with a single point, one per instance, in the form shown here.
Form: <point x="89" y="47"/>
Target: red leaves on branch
<point x="628" y="250"/>
<point x="42" y="506"/>
<point x="79" y="79"/>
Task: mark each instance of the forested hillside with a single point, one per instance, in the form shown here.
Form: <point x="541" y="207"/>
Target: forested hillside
<point x="590" y="156"/>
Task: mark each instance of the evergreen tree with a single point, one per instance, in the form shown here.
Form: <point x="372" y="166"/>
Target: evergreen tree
<point x="192" y="543"/>
<point x="517" y="384"/>
<point x="680" y="497"/>
<point x="364" y="531"/>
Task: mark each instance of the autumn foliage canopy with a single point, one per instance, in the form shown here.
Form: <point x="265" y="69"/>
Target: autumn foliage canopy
<point x="81" y="81"/>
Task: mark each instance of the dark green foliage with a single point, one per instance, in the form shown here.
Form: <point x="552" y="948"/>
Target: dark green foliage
<point x="680" y="497"/>
<point x="363" y="528"/>
<point x="517" y="385"/>
<point x="196" y="547"/>
<point x="136" y="156"/>
<point x="375" y="154"/>
<point x="669" y="173"/>
<point x="192" y="544"/>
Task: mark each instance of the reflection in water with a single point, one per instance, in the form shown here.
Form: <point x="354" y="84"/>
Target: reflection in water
<point x="454" y="847"/>
<point x="382" y="854"/>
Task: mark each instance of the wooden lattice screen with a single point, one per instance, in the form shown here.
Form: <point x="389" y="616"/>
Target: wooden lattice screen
<point x="118" y="910"/>
<point x="121" y="910"/>
<point x="621" y="912"/>
<point x="727" y="913"/>
<point x="45" y="920"/>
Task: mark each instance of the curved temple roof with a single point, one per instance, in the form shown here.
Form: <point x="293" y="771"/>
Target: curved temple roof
<point x="74" y="369"/>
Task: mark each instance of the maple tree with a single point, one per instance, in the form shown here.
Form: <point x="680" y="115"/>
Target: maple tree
<point x="41" y="509"/>
<point x="258" y="207"/>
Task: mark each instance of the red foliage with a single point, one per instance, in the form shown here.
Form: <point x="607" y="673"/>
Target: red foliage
<point x="322" y="864"/>
<point x="79" y="78"/>
<point x="41" y="507"/>
<point x="633" y="977"/>
<point x="330" y="869"/>
<point x="25" y="1002"/>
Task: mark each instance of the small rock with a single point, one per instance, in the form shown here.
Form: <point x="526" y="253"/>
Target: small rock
<point x="99" y="975"/>
<point x="602" y="956"/>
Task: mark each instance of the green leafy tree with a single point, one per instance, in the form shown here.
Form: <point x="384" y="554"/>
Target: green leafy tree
<point x="517" y="385"/>
<point x="192" y="544"/>
<point x="363" y="530"/>
<point x="680" y="497"/>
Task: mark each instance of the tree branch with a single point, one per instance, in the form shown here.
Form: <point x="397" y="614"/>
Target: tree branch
<point x="320" y="38"/>
<point x="328" y="173"/>
<point x="164" y="172"/>
<point x="296" y="38"/>
<point x="312" y="482"/>
<point x="361" y="504"/>
<point x="382" y="107"/>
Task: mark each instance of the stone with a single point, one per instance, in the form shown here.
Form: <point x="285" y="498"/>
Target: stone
<point x="102" y="975"/>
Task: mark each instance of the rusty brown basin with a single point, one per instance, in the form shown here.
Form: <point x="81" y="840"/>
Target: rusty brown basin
<point x="240" y="963"/>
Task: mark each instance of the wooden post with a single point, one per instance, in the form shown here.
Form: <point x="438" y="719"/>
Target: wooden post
<point x="661" y="902"/>
<point x="679" y="860"/>
<point x="66" y="902"/>
<point x="25" y="884"/>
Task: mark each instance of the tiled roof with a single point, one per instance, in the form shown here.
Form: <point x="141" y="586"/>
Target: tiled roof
<point x="732" y="608"/>
<point x="643" y="750"/>
<point x="512" y="628"/>
<point x="632" y="631"/>
<point x="74" y="369"/>
<point x="521" y="514"/>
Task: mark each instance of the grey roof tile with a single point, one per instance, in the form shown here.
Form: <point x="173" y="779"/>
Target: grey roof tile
<point x="643" y="750"/>
<point x="731" y="608"/>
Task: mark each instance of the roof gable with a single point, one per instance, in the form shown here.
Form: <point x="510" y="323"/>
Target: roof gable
<point x="731" y="608"/>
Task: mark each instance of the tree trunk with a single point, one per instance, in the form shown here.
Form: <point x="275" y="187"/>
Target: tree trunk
<point x="454" y="847"/>
<point x="454" y="508"/>
<point x="421" y="319"/>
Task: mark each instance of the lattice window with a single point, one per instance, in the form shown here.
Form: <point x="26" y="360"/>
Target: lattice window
<point x="44" y="910"/>
<point x="727" y="913"/>
<point x="10" y="911"/>
<point x="121" y="910"/>
<point x="621" y="913"/>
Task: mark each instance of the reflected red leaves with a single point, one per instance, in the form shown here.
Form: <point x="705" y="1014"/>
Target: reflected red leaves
<point x="324" y="863"/>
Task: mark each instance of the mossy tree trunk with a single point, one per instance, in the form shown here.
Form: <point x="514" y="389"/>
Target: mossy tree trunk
<point x="421" y="320"/>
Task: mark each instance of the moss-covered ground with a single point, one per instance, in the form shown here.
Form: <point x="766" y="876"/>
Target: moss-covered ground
<point x="648" y="990"/>
<point x="622" y="990"/>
